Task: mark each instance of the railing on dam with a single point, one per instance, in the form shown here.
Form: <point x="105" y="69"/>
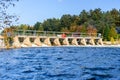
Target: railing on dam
<point x="53" y="33"/>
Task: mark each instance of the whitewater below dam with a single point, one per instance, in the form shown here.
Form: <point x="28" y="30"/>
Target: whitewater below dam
<point x="60" y="63"/>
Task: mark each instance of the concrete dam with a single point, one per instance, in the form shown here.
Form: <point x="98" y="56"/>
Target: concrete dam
<point x="49" y="38"/>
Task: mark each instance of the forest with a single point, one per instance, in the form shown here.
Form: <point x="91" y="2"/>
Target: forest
<point x="93" y="21"/>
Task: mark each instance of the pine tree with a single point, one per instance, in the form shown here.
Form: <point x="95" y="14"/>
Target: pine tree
<point x="106" y="34"/>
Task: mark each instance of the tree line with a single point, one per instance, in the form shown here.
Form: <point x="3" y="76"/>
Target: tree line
<point x="92" y="21"/>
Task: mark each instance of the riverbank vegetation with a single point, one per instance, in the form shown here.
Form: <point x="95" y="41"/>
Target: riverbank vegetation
<point x="92" y="21"/>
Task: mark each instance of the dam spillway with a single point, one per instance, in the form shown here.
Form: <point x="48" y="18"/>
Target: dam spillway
<point x="50" y="38"/>
<point x="38" y="41"/>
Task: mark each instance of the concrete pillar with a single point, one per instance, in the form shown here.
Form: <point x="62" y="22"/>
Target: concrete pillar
<point x="83" y="41"/>
<point x="100" y="41"/>
<point x="37" y="41"/>
<point x="57" y="42"/>
<point x="74" y="41"/>
<point x="16" y="42"/>
<point x="65" y="41"/>
<point x="27" y="42"/>
<point x="47" y="41"/>
<point x="92" y="41"/>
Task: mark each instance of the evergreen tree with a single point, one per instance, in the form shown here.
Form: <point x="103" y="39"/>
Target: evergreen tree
<point x="66" y="21"/>
<point x="51" y="24"/>
<point x="106" y="34"/>
<point x="38" y="26"/>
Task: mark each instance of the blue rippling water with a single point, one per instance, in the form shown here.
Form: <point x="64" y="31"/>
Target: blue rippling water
<point x="60" y="63"/>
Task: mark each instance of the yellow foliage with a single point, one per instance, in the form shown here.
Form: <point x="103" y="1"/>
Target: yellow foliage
<point x="112" y="40"/>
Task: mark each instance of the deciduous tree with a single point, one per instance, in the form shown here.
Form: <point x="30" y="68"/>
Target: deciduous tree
<point x="113" y="32"/>
<point x="5" y="18"/>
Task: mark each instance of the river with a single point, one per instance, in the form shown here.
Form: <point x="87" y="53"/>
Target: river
<point x="60" y="63"/>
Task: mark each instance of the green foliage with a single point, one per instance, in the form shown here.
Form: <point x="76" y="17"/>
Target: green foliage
<point x="51" y="25"/>
<point x="109" y="32"/>
<point x="38" y="26"/>
<point x="113" y="33"/>
<point x="106" y="34"/>
<point x="84" y="17"/>
<point x="23" y="27"/>
<point x="66" y="21"/>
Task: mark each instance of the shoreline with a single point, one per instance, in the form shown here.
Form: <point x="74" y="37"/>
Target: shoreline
<point x="118" y="46"/>
<point x="85" y="46"/>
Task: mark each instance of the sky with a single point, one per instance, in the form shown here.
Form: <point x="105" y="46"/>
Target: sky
<point x="32" y="11"/>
